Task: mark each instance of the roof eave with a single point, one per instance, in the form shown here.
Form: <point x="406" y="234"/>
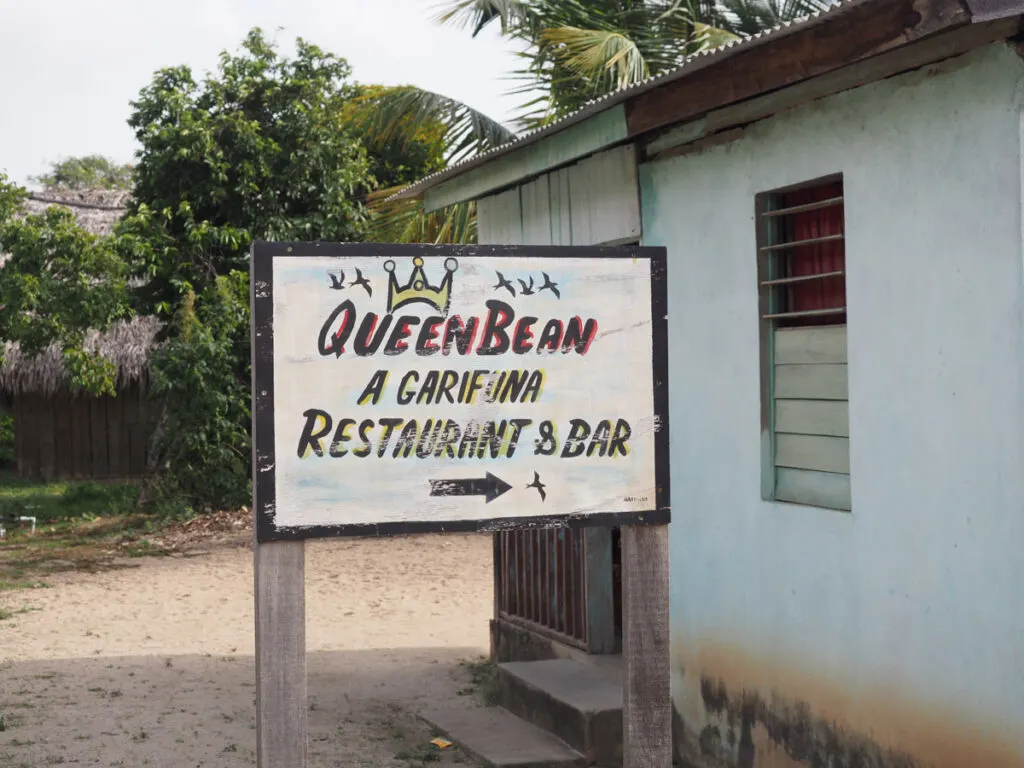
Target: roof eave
<point x="697" y="62"/>
<point x="876" y="27"/>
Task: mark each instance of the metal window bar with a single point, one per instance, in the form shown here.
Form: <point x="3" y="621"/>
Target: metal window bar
<point x="803" y="278"/>
<point x="829" y="203"/>
<point x="797" y="243"/>
<point x="805" y="313"/>
<point x="774" y="251"/>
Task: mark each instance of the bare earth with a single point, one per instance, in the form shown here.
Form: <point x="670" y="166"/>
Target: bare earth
<point x="152" y="664"/>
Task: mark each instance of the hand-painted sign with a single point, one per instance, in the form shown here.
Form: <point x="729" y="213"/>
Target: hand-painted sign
<point x="424" y="388"/>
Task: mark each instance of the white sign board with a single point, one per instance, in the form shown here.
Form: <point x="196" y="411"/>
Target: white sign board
<point x="422" y="388"/>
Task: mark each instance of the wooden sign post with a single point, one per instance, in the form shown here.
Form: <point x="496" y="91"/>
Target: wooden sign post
<point x="413" y="389"/>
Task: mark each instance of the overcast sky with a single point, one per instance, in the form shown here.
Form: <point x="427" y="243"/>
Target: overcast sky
<point x="68" y="68"/>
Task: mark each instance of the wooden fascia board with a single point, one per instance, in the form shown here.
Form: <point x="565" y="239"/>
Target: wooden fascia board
<point x="715" y="125"/>
<point x="598" y="132"/>
<point x="993" y="10"/>
<point x="862" y="32"/>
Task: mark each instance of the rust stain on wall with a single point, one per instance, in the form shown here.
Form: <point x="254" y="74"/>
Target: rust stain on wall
<point x="737" y="709"/>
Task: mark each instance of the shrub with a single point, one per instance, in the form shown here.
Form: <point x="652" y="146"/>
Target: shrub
<point x="201" y="375"/>
<point x="6" y="439"/>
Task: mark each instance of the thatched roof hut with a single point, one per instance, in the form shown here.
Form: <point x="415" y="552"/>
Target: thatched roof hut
<point x="61" y="433"/>
<point x="95" y="210"/>
<point x="127" y="344"/>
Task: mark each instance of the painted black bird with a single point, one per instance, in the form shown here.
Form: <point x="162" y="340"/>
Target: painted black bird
<point x="503" y="283"/>
<point x="360" y="280"/>
<point x="527" y="290"/>
<point x="538" y="485"/>
<point x="549" y="285"/>
<point x="337" y="281"/>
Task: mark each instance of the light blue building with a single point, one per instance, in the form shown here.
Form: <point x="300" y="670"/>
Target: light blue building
<point x="841" y="200"/>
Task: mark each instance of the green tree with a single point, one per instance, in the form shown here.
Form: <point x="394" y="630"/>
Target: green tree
<point x="57" y="283"/>
<point x="263" y="148"/>
<point x="411" y="147"/>
<point x="401" y="157"/>
<point x="267" y="147"/>
<point x="88" y="172"/>
<point x="257" y="150"/>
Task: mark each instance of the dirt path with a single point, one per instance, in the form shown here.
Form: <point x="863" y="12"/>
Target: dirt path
<point x="152" y="664"/>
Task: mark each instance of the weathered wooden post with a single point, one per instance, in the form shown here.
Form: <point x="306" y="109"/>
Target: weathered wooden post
<point x="418" y="389"/>
<point x="279" y="567"/>
<point x="280" y="653"/>
<point x="646" y="701"/>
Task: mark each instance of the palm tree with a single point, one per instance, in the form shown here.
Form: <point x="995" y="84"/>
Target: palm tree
<point x="400" y="116"/>
<point x="573" y="52"/>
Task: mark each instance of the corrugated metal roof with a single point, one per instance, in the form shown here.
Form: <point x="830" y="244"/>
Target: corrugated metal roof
<point x="691" y="64"/>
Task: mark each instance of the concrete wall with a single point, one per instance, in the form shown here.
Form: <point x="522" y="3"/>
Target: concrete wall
<point x="804" y="636"/>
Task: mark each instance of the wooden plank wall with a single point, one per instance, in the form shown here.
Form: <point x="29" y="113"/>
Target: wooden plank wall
<point x="594" y="202"/>
<point x="78" y="437"/>
<point x="812" y="417"/>
<point x="604" y="198"/>
<point x="499" y="219"/>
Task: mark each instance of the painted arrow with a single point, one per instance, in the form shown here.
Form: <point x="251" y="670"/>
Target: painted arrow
<point x="490" y="486"/>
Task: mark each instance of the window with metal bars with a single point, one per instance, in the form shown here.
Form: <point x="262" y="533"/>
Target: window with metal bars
<point x="804" y="400"/>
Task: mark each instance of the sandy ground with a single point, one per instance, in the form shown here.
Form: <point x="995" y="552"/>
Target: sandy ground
<point x="152" y="664"/>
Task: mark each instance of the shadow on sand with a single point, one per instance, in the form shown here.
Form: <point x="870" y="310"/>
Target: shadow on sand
<point x="185" y="711"/>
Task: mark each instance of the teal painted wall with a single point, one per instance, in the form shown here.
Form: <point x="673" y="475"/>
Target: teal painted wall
<point x="833" y="636"/>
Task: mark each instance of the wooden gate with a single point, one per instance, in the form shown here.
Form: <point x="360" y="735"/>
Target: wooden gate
<point x="560" y="583"/>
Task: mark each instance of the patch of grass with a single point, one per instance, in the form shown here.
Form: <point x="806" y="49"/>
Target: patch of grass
<point x="483" y="681"/>
<point x="11" y="586"/>
<point x="144" y="548"/>
<point x="58" y="501"/>
<point x="80" y="526"/>
<point x="419" y="755"/>
<point x="6" y="613"/>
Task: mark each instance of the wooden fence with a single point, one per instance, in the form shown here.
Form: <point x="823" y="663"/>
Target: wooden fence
<point x="96" y="438"/>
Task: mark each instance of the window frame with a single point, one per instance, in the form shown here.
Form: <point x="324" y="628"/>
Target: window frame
<point x="766" y="235"/>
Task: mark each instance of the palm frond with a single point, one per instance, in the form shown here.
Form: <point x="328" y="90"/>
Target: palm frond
<point x="406" y="221"/>
<point x="400" y="113"/>
<point x="751" y="16"/>
<point x="707" y="36"/>
<point x="477" y="14"/>
<point x="598" y="55"/>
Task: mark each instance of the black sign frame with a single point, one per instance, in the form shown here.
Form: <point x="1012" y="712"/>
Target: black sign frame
<point x="262" y="255"/>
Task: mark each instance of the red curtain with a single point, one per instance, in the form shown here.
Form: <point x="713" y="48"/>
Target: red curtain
<point x="829" y="292"/>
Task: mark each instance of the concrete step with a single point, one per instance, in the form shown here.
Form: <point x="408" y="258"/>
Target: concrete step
<point x="580" y="704"/>
<point x="499" y="739"/>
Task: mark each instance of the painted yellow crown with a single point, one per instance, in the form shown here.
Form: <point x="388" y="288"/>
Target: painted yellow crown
<point x="419" y="289"/>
